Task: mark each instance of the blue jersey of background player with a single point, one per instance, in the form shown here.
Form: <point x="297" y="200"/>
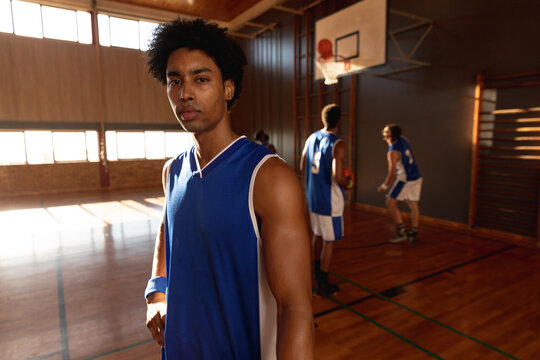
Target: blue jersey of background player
<point x="403" y="182"/>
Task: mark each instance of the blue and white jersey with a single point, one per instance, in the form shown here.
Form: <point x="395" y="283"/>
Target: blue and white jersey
<point x="324" y="194"/>
<point x="219" y="302"/>
<point x="407" y="169"/>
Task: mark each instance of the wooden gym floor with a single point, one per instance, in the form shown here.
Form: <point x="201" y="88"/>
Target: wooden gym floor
<point x="73" y="272"/>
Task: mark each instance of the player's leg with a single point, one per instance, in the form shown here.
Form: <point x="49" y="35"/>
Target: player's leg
<point x="316" y="243"/>
<point x="413" y="189"/>
<point x="326" y="255"/>
<point x="316" y="255"/>
<point x="391" y="204"/>
<point x="415" y="215"/>
<point x="332" y="230"/>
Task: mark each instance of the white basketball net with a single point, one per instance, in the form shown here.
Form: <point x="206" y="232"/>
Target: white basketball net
<point x="332" y="68"/>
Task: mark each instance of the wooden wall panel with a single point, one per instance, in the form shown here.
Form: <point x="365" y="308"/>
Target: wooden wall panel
<point x="46" y="80"/>
<point x="131" y="95"/>
<point x="55" y="81"/>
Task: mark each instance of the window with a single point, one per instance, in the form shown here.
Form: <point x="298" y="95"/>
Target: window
<point x="56" y="21"/>
<point x="146" y="144"/>
<point x="69" y="146"/>
<point x="177" y="142"/>
<point x="39" y="147"/>
<point x="145" y="33"/>
<point x="155" y="144"/>
<point x="6" y="22"/>
<point x="132" y="34"/>
<point x="31" y="19"/>
<point x="92" y="146"/>
<point x="124" y="32"/>
<point x="27" y="19"/>
<point x="12" y="149"/>
<point x="39" y="21"/>
<point x="47" y="147"/>
<point x="130" y="145"/>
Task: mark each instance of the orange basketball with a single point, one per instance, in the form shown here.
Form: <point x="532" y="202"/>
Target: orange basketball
<point x="349" y="175"/>
<point x="324" y="48"/>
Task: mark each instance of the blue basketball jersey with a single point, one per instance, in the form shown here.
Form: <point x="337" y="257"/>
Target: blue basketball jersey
<point x="324" y="194"/>
<point x="407" y="169"/>
<point x="219" y="303"/>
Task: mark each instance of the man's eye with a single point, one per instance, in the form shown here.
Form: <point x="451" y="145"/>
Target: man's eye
<point x="202" y="79"/>
<point x="174" y="82"/>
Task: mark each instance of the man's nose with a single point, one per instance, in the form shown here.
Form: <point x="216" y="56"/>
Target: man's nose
<point x="186" y="93"/>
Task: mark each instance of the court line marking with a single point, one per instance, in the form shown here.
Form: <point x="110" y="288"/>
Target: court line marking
<point x="62" y="309"/>
<point x="120" y="349"/>
<point x="386" y="329"/>
<point x="45" y="356"/>
<point x="373" y="293"/>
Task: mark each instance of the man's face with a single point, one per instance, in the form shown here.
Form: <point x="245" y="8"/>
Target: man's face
<point x="387" y="135"/>
<point x="196" y="91"/>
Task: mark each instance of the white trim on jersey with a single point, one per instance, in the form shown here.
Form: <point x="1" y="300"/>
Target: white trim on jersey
<point x="215" y="157"/>
<point x="267" y="302"/>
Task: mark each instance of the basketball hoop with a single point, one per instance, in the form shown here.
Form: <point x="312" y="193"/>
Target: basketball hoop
<point x="332" y="67"/>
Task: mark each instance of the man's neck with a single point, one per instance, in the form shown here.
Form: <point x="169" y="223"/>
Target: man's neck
<point x="210" y="144"/>
<point x="333" y="130"/>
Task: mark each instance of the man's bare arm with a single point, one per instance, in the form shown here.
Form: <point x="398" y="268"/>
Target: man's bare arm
<point x="279" y="202"/>
<point x="303" y="157"/>
<point x="338" y="168"/>
<point x="392" y="157"/>
<point x="156" y="310"/>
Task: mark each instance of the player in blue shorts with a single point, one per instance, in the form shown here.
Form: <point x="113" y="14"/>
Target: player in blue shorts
<point x="406" y="181"/>
<point x="230" y="276"/>
<point x="322" y="160"/>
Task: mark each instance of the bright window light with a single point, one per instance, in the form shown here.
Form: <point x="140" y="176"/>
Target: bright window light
<point x="155" y="144"/>
<point x="177" y="142"/>
<point x="104" y="32"/>
<point x="69" y="146"/>
<point x="84" y="27"/>
<point x="27" y="19"/>
<point x="145" y="33"/>
<point x="92" y="146"/>
<point x="12" y="148"/>
<point x="110" y="143"/>
<point x="124" y="33"/>
<point x="130" y="145"/>
<point x="39" y="148"/>
<point x="59" y="24"/>
<point x="6" y="21"/>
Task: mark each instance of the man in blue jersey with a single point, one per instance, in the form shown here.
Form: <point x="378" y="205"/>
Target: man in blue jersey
<point x="406" y="181"/>
<point x="230" y="276"/>
<point x="322" y="159"/>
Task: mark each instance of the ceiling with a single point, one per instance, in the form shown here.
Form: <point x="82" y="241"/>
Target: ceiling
<point x="220" y="10"/>
<point x="236" y="15"/>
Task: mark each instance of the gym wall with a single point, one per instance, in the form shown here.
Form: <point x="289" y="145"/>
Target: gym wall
<point x="58" y="85"/>
<point x="434" y="105"/>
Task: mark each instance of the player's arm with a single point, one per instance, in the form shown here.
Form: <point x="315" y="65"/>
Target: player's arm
<point x="338" y="169"/>
<point x="303" y="157"/>
<point x="279" y="202"/>
<point x="156" y="309"/>
<point x="392" y="157"/>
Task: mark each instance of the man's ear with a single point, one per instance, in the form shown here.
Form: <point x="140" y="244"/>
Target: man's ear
<point x="229" y="89"/>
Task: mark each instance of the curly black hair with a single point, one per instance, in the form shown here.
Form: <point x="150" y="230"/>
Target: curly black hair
<point x="197" y="34"/>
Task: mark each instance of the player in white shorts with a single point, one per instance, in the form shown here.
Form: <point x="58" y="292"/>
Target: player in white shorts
<point x="406" y="182"/>
<point x="322" y="158"/>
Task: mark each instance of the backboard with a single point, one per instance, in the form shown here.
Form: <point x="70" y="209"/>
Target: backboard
<point x="356" y="33"/>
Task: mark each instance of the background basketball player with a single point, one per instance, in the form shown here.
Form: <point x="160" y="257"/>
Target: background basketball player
<point x="407" y="182"/>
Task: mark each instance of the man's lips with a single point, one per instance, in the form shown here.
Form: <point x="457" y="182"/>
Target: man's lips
<point x="188" y="113"/>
